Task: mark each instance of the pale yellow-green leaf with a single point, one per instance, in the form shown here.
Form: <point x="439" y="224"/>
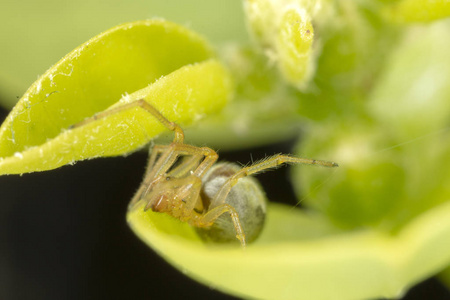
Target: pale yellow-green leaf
<point x="300" y="256"/>
<point x="123" y="62"/>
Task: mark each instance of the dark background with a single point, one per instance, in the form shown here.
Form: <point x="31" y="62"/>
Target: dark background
<point x="63" y="234"/>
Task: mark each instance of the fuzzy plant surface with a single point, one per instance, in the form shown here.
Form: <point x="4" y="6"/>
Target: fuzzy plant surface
<point x="366" y="82"/>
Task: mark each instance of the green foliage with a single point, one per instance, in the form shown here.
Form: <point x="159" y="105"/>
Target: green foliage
<point x="371" y="90"/>
<point x="393" y="155"/>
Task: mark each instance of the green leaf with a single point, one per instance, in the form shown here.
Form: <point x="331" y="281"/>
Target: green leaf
<point x="118" y="66"/>
<point x="301" y="256"/>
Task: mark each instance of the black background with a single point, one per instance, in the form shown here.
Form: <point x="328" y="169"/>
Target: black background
<point x="63" y="234"/>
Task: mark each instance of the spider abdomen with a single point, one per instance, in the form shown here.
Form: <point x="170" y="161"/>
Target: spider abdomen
<point x="246" y="197"/>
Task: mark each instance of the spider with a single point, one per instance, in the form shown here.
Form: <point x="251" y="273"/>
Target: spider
<point x="219" y="199"/>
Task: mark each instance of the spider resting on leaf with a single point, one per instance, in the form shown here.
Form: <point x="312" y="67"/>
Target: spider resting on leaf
<point x="184" y="181"/>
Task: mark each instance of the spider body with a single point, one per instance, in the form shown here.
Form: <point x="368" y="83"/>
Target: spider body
<point x="247" y="197"/>
<point x="189" y="199"/>
<point x="184" y="181"/>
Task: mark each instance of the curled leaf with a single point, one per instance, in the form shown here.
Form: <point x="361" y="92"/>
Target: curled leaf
<point x="123" y="63"/>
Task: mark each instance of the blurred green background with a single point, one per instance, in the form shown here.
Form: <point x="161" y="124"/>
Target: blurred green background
<point x="36" y="34"/>
<point x="393" y="151"/>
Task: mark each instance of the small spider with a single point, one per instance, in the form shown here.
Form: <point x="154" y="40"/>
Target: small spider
<point x="184" y="181"/>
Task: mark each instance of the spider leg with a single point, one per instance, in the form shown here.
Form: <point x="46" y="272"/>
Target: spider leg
<point x="156" y="150"/>
<point x="181" y="196"/>
<point x="186" y="166"/>
<point x="269" y="163"/>
<point x="179" y="134"/>
<point x="210" y="159"/>
<point x="167" y="158"/>
<point x="209" y="218"/>
<point x="182" y="170"/>
<point x="173" y="151"/>
<point x="158" y="171"/>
